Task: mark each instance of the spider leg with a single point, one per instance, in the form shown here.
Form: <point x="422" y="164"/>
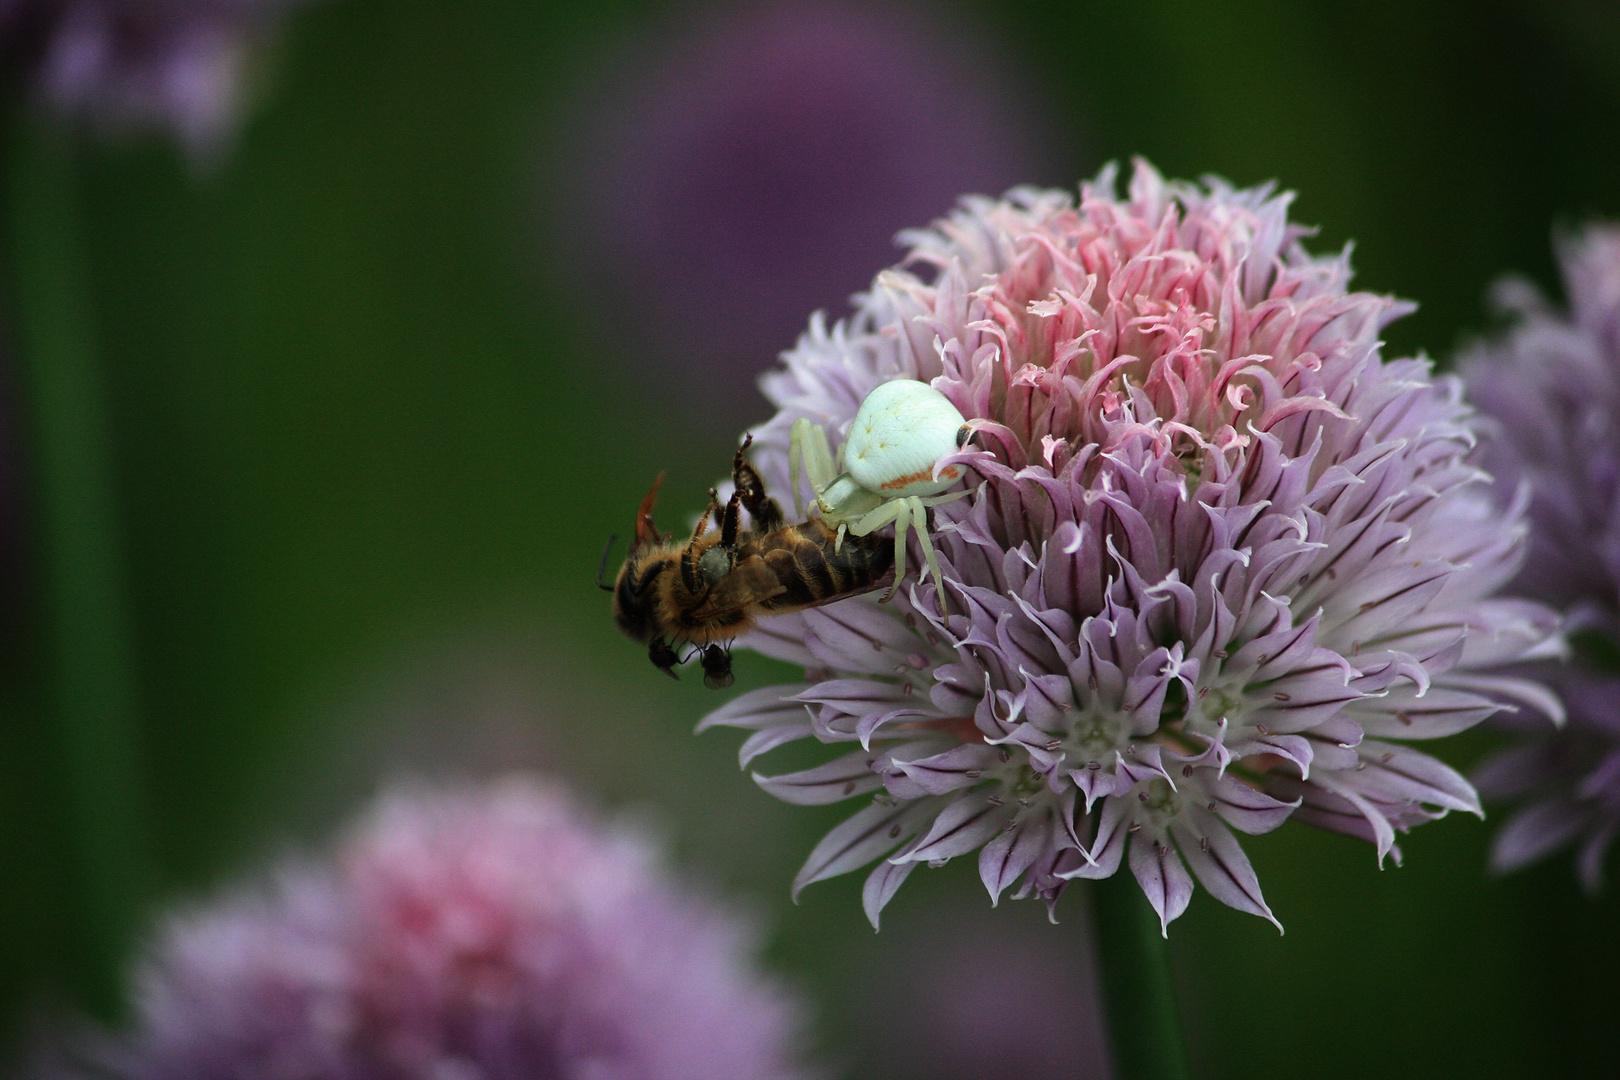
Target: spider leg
<point x="818" y="461"/>
<point x="874" y="520"/>
<point x="795" y="455"/>
<point x="809" y="447"/>
<point x="897" y="511"/>
<point x="929" y="556"/>
<point x="902" y="525"/>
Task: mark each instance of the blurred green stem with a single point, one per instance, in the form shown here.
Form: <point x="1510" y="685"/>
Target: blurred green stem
<point x="87" y="633"/>
<point x="1138" y="993"/>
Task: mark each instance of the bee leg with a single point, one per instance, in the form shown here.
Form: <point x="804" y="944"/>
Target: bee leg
<point x="731" y="522"/>
<point x="717" y="668"/>
<point x="689" y="567"/>
<point x="762" y="508"/>
<point x="663" y="657"/>
<point x="703" y="522"/>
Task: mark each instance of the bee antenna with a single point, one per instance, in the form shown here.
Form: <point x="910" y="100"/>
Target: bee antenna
<point x="601" y="568"/>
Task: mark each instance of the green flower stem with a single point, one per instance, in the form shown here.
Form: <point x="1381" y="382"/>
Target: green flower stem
<point x="87" y="628"/>
<point x="1138" y="993"/>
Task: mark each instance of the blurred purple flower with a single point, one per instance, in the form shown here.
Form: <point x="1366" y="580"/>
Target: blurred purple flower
<point x="178" y="64"/>
<point x="488" y="933"/>
<point x="1567" y="777"/>
<point x="960" y="992"/>
<point x="755" y="165"/>
<point x="1552" y="383"/>
<point x="1224" y="558"/>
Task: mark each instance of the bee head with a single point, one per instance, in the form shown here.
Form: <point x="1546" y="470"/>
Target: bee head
<point x="632" y="592"/>
<point x="633" y="596"/>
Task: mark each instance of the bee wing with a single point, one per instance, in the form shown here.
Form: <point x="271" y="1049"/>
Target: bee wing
<point x="646" y="532"/>
<point x="750" y="582"/>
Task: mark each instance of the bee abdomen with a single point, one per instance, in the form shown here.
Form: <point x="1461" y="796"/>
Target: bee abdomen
<point x="812" y="572"/>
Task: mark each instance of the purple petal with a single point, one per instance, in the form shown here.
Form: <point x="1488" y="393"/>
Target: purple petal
<point x="1402" y="714"/>
<point x="837" y="780"/>
<point x="1013" y="851"/>
<point x="881" y="885"/>
<point x="1218" y="861"/>
<point x="1327" y="814"/>
<point x="1589" y="864"/>
<point x="856" y="697"/>
<point x="1246" y="809"/>
<point x="869" y="833"/>
<point x="1538" y="830"/>
<point x="1397" y="772"/>
<point x="1163" y="877"/>
<point x="757" y="710"/>
<point x="761" y="742"/>
<point x="957" y="768"/>
<point x="963" y="826"/>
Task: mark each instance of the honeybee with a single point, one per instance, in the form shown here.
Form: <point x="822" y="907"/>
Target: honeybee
<point x="711" y="588"/>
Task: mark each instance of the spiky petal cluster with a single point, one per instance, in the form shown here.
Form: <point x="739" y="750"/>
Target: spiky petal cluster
<point x="469" y="933"/>
<point x="177" y="64"/>
<point x="1552" y="384"/>
<point x="1225" y="561"/>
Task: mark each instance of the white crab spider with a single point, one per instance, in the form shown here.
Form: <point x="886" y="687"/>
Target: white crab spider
<point x="889" y="474"/>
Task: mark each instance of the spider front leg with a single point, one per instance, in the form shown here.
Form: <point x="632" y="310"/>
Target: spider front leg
<point x="808" y="446"/>
<point x="899" y="512"/>
<point x="921" y="517"/>
<point x="906" y="514"/>
<point x="919" y="514"/>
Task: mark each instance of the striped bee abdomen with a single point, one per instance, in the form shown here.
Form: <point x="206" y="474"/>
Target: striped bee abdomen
<point x="812" y="572"/>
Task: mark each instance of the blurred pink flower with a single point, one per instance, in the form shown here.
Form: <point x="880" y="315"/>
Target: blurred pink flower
<point x="467" y="933"/>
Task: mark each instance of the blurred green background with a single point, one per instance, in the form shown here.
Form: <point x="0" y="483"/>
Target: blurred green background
<point x="370" y="429"/>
